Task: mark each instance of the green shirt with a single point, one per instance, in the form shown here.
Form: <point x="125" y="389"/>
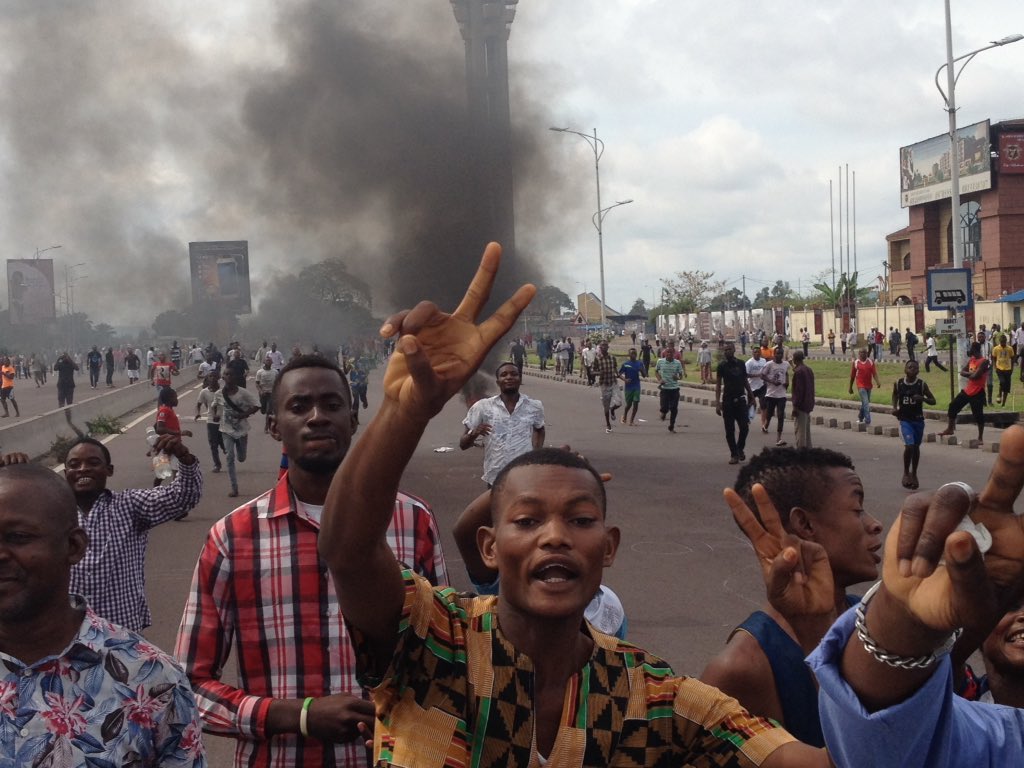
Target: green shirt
<point x="670" y="371"/>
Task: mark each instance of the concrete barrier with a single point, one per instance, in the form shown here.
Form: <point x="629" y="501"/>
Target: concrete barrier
<point x="36" y="434"/>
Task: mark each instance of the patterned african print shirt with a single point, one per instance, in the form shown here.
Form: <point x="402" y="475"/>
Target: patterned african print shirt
<point x="108" y="699"/>
<point x="457" y="693"/>
<point x="261" y="588"/>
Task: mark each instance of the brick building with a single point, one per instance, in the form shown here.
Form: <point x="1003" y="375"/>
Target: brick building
<point x="992" y="221"/>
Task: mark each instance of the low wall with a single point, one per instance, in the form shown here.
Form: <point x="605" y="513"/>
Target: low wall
<point x="36" y="434"/>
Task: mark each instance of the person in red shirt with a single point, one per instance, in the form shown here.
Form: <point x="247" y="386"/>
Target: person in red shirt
<point x="161" y="371"/>
<point x="7" y="375"/>
<point x="864" y="372"/>
<point x="167" y="422"/>
<point x="973" y="394"/>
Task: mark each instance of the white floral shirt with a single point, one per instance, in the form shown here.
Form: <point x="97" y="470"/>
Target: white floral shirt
<point x="511" y="433"/>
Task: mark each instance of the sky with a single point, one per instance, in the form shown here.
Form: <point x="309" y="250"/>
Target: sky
<point x="313" y="129"/>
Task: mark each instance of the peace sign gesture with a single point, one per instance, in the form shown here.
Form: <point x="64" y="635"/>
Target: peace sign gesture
<point x="437" y="352"/>
<point x="796" y="572"/>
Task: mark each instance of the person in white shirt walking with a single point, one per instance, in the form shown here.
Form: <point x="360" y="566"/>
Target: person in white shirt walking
<point x="511" y="423"/>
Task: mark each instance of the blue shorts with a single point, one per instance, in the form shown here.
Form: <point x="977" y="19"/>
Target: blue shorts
<point x="912" y="432"/>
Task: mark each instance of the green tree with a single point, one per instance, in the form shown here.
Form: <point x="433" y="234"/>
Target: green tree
<point x="330" y="281"/>
<point x="734" y="298"/>
<point x="550" y="301"/>
<point x="173" y="322"/>
<point x="782" y="292"/>
<point x="638" y="308"/>
<point x="690" y="291"/>
<point x="846" y="289"/>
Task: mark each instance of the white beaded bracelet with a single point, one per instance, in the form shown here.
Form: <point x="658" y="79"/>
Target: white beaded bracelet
<point x="891" y="659"/>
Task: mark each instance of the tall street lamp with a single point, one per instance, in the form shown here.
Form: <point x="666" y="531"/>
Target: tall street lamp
<point x="69" y="289"/>
<point x="48" y="248"/>
<point x="598" y="219"/>
<point x="949" y="97"/>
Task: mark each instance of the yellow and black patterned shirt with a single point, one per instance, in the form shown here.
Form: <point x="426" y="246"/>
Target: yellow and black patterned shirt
<point x="457" y="694"/>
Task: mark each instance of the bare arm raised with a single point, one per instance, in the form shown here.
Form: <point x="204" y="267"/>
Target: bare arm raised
<point x="435" y="355"/>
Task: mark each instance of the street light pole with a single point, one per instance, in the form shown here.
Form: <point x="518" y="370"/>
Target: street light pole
<point x="598" y="147"/>
<point x="48" y="248"/>
<point x="949" y="97"/>
<point x="69" y="290"/>
<point x="598" y="221"/>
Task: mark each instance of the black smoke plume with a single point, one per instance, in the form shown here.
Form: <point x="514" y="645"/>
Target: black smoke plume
<point x="131" y="128"/>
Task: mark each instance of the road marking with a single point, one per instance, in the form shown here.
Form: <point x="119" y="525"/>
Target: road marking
<point x="148" y="414"/>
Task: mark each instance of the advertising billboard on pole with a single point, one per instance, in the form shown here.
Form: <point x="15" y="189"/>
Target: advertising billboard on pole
<point x="220" y="272"/>
<point x="30" y="290"/>
<point x="925" y="170"/>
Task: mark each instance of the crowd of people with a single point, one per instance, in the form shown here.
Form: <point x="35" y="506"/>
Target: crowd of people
<point x="330" y="589"/>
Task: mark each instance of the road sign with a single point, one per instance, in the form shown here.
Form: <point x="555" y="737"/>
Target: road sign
<point x="951" y="326"/>
<point x="950" y="289"/>
<point x="579" y="320"/>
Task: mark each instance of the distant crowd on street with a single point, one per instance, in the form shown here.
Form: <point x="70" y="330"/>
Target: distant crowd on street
<point x="329" y="594"/>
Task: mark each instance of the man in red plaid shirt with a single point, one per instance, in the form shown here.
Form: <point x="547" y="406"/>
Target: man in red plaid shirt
<point x="260" y="587"/>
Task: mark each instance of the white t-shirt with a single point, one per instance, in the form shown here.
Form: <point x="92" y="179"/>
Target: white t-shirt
<point x="775" y="378"/>
<point x="930" y="347"/>
<point x="754" y="368"/>
<point x="265" y="379"/>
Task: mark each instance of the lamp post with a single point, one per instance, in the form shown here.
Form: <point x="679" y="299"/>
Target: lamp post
<point x="69" y="289"/>
<point x="949" y="97"/>
<point x="598" y="218"/>
<point x="44" y="250"/>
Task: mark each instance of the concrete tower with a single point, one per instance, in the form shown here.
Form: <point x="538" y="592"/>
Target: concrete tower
<point x="485" y="27"/>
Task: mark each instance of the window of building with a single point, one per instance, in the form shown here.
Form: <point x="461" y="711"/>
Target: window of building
<point x="906" y="261"/>
<point x="970" y="232"/>
<point x="970" y="223"/>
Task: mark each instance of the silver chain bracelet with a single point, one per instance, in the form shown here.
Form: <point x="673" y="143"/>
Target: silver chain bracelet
<point x="900" y="662"/>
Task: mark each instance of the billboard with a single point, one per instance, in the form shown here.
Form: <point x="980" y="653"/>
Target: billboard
<point x="30" y="290"/>
<point x="1011" y="153"/>
<point x="925" y="170"/>
<point x="220" y="272"/>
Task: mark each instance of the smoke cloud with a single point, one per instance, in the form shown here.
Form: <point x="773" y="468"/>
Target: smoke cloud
<point x="311" y="129"/>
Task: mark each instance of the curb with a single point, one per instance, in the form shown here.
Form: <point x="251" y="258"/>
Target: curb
<point x="831" y="422"/>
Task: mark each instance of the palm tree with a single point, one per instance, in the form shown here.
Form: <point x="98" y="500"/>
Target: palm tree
<point x="845" y="291"/>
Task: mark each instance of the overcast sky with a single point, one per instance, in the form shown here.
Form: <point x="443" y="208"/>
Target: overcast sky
<point x="724" y="122"/>
<point x="130" y="127"/>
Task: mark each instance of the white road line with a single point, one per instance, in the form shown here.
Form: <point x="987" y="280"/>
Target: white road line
<point x="147" y="415"/>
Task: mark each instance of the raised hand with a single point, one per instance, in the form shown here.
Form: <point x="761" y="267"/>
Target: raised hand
<point x="436" y="352"/>
<point x="796" y="572"/>
<point x="965" y="590"/>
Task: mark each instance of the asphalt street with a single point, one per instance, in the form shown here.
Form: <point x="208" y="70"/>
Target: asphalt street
<point x="684" y="572"/>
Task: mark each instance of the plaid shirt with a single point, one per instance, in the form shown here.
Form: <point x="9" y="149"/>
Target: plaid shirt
<point x="606" y="369"/>
<point x="112" y="575"/>
<point x="261" y="587"/>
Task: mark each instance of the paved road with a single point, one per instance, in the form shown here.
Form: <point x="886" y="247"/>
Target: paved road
<point x="684" y="572"/>
<point x="34" y="400"/>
